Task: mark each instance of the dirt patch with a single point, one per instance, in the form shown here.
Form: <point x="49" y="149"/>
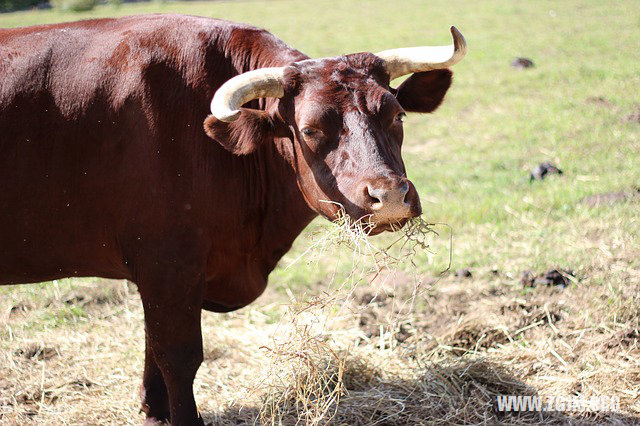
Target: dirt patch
<point x="431" y="396"/>
<point x="95" y="295"/>
<point x="475" y="334"/>
<point x="81" y="384"/>
<point x="389" y="296"/>
<point x="600" y="101"/>
<point x="35" y="397"/>
<point x="633" y="116"/>
<point x="455" y="318"/>
<point x="21" y="307"/>
<point x="529" y="312"/>
<point x="464" y="273"/>
<point x="37" y="351"/>
<point x="624" y="339"/>
<point x="610" y="198"/>
<point x="492" y="324"/>
<point x="522" y="63"/>
<point x="553" y="277"/>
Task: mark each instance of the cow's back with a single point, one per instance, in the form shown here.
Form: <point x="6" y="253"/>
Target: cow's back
<point x="101" y="139"/>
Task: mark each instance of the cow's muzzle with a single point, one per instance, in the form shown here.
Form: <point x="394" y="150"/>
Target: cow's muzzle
<point x="389" y="201"/>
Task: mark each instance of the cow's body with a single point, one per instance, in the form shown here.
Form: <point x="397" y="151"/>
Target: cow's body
<point x="106" y="170"/>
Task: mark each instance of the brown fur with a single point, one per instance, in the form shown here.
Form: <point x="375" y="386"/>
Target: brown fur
<point x="106" y="171"/>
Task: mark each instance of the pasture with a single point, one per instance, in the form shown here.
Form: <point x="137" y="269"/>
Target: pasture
<point x="339" y="339"/>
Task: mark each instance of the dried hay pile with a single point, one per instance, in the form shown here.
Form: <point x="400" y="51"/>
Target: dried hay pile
<point x="385" y="347"/>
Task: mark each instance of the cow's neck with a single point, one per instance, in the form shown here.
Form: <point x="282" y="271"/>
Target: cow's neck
<point x="272" y="213"/>
<point x="262" y="214"/>
<point x="285" y="213"/>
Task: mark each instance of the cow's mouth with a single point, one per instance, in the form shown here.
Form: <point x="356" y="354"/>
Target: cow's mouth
<point x="394" y="226"/>
<point x="366" y="224"/>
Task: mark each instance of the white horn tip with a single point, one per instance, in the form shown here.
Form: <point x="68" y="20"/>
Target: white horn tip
<point x="221" y="112"/>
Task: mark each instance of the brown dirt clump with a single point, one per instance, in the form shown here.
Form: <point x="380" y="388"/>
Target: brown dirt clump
<point x="600" y="101"/>
<point x="633" y="116"/>
<point x="522" y="63"/>
<point x="610" y="198"/>
<point x="553" y="277"/>
<point x="37" y="351"/>
<point x="628" y="338"/>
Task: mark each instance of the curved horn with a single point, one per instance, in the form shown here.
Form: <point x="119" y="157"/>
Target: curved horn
<point x="408" y="60"/>
<point x="260" y="83"/>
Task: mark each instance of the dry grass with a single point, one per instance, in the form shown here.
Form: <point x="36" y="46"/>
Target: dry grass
<point x="380" y="346"/>
<point x="430" y="352"/>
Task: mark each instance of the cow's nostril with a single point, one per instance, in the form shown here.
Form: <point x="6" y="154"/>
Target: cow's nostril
<point x="405" y="190"/>
<point x="374" y="197"/>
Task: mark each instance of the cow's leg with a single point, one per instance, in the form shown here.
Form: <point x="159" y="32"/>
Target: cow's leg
<point x="153" y="391"/>
<point x="172" y="319"/>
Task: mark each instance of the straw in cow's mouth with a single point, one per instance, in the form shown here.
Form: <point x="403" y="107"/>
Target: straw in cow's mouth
<point x="354" y="234"/>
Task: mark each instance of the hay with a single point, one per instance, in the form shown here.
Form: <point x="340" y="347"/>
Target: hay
<point x="314" y="378"/>
<point x="386" y="365"/>
<point x="354" y="235"/>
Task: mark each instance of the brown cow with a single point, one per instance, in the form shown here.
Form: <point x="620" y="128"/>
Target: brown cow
<point x="105" y="169"/>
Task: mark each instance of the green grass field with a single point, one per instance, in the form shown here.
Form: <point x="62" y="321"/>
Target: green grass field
<point x="579" y="107"/>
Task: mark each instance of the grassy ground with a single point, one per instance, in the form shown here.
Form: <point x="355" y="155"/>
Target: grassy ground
<point x="426" y="349"/>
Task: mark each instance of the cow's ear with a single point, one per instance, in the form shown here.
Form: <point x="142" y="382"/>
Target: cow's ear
<point x="424" y="91"/>
<point x="245" y="134"/>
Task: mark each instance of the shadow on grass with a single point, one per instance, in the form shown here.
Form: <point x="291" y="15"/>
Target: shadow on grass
<point x="453" y="393"/>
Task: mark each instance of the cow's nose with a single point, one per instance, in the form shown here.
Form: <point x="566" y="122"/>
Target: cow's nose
<point x="391" y="199"/>
<point x="381" y="196"/>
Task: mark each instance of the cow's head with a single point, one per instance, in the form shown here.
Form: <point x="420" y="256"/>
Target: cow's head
<point x="344" y="122"/>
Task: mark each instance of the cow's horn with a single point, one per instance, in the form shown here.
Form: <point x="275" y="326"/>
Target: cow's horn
<point x="260" y="83"/>
<point x="408" y="60"/>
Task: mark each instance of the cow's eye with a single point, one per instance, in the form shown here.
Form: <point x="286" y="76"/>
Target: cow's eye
<point x="400" y="116"/>
<point x="308" y="131"/>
